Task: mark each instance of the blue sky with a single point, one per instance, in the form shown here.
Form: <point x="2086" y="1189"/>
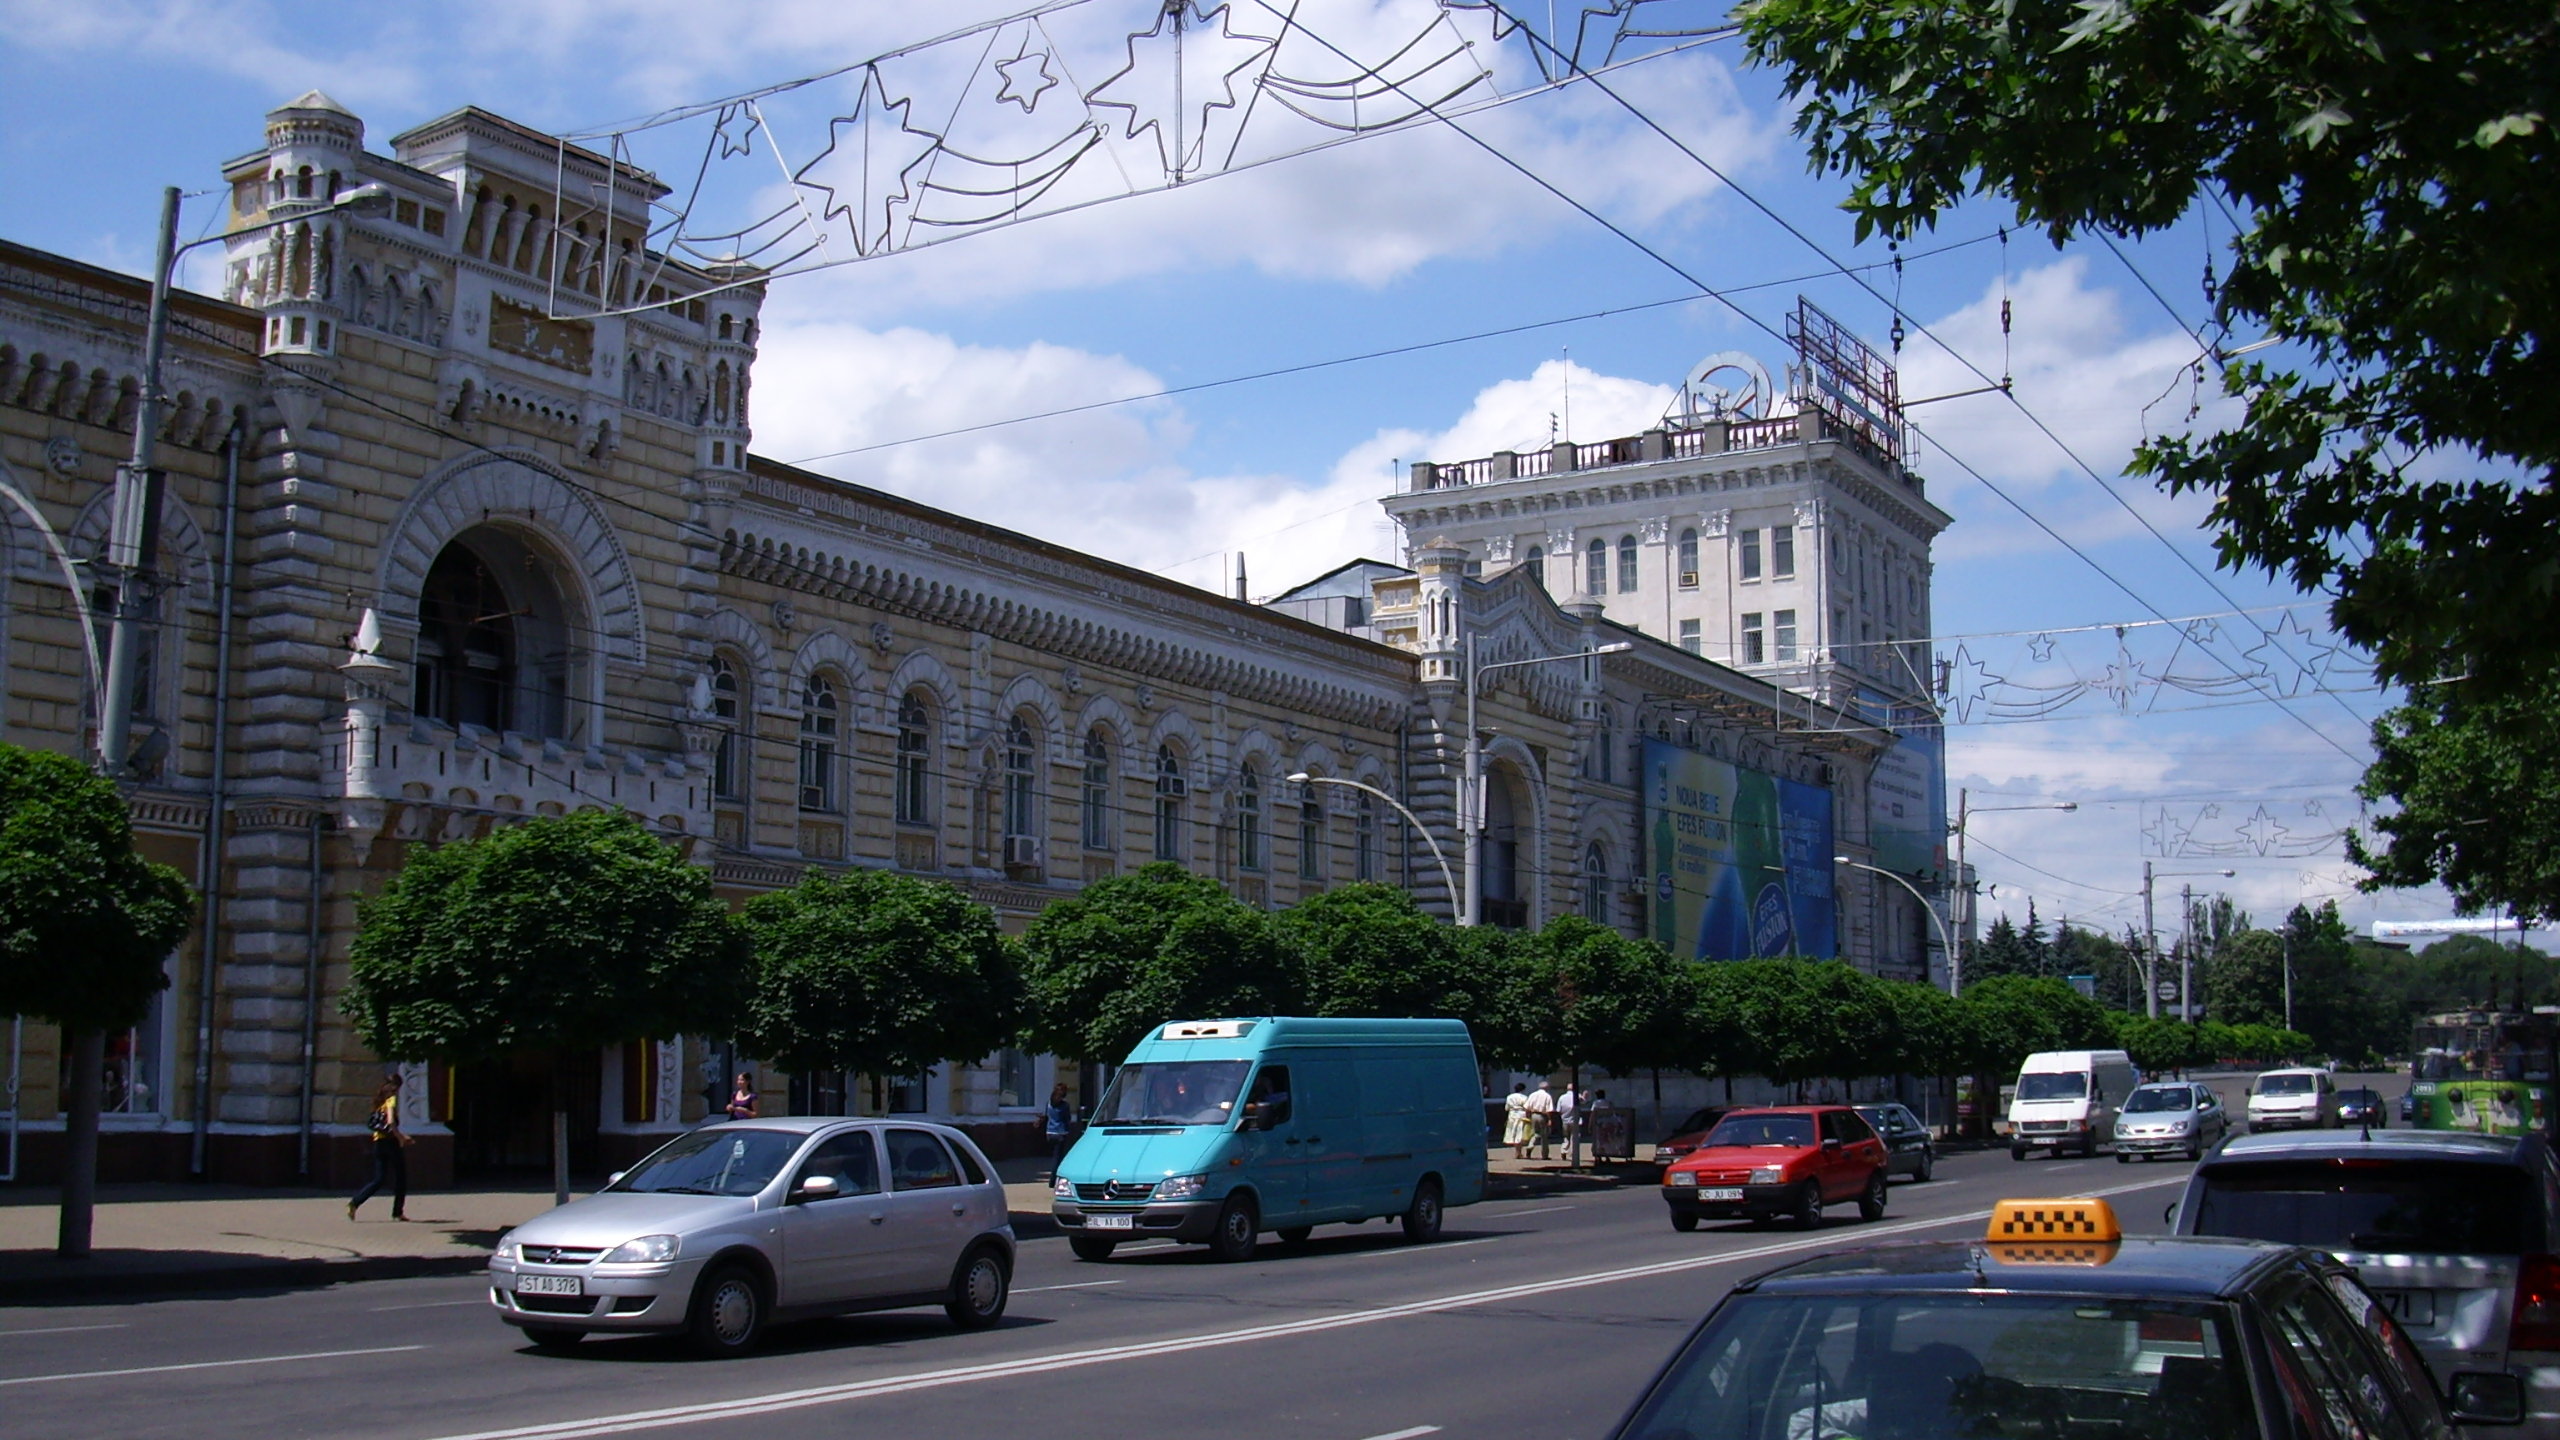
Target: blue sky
<point x="1387" y="242"/>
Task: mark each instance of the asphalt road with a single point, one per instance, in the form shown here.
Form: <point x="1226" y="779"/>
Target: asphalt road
<point x="1535" y="1318"/>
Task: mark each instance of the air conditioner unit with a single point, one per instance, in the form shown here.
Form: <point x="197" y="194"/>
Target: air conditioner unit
<point x="1688" y="579"/>
<point x="1021" y="851"/>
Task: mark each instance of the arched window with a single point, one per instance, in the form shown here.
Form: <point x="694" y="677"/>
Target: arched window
<point x="1595" y="568"/>
<point x="1626" y="563"/>
<point x="1097" y="791"/>
<point x="821" y="729"/>
<point x="495" y="644"/>
<point x="1689" y="559"/>
<point x="1364" y="839"/>
<point x="1312" y="860"/>
<point x="1019" y="792"/>
<point x="1536" y="564"/>
<point x="913" y="753"/>
<point x="1249" y="854"/>
<point x="724" y="748"/>
<point x="1595" y="884"/>
<point x="1170" y="790"/>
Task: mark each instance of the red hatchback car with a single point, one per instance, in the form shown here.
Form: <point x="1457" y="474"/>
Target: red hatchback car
<point x="1788" y="1160"/>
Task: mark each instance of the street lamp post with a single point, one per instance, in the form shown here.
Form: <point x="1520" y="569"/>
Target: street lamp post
<point x="133" y="534"/>
<point x="1964" y="816"/>
<point x="2151" y="946"/>
<point x="1946" y="942"/>
<point x="1303" y="778"/>
<point x="1471" y="798"/>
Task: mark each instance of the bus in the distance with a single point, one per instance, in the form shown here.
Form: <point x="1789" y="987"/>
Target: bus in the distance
<point x="2488" y="1071"/>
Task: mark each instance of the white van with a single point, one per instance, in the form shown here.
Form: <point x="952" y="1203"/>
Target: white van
<point x="2067" y="1099"/>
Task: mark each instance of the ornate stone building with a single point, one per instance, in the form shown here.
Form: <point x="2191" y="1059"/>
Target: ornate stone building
<point x="462" y="525"/>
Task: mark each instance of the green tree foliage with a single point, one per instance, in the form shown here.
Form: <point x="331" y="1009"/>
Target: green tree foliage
<point x="2472" y="971"/>
<point x="877" y="972"/>
<point x="2244" y="981"/>
<point x="85" y="923"/>
<point x="2017" y="1015"/>
<point x="2158" y="1044"/>
<point x="2478" y="790"/>
<point x="1369" y="950"/>
<point x="1582" y="993"/>
<point x="563" y="933"/>
<point x="2384" y="161"/>
<point x="1104" y="966"/>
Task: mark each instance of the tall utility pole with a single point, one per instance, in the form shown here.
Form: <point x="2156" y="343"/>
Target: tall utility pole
<point x="1964" y="888"/>
<point x="133" y="537"/>
<point x="2186" y="951"/>
<point x="2150" y="950"/>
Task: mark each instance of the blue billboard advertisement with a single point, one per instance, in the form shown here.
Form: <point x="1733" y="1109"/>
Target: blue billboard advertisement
<point x="1738" y="862"/>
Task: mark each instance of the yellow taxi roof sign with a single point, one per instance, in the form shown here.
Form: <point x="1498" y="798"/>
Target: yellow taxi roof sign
<point x="2042" y="1222"/>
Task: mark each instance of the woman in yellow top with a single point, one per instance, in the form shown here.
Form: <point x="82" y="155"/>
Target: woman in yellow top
<point x="389" y="1141"/>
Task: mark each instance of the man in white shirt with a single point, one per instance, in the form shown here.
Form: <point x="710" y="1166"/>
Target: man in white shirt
<point x="1569" y="1119"/>
<point x="1542" y="1114"/>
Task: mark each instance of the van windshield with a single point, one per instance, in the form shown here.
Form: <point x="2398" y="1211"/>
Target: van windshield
<point x="2058" y="1085"/>
<point x="2286" y="1084"/>
<point x="2146" y="1100"/>
<point x="1172" y="1092"/>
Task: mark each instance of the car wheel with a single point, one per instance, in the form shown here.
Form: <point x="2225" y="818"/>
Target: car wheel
<point x="1238" y="1229"/>
<point x="1928" y="1166"/>
<point x="728" y="1312"/>
<point x="1807" y="1210"/>
<point x="1422" y="1217"/>
<point x="1295" y="1234"/>
<point x="553" y="1337"/>
<point x="2017" y="1152"/>
<point x="1091" y="1247"/>
<point x="2122" y="1158"/>
<point x="1871" y="1199"/>
<point x="1684" y="1221"/>
<point x="2195" y="1148"/>
<point x="979" y="1289"/>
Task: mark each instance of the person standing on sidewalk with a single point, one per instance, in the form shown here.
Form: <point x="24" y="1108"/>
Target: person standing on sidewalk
<point x="1542" y="1115"/>
<point x="1515" y="1121"/>
<point x="390" y="1143"/>
<point x="1569" y="1120"/>
<point x="742" y="1098"/>
<point x="1059" y="1124"/>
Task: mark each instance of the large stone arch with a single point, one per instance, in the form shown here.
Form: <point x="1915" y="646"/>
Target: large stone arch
<point x="184" y="556"/>
<point x="1105" y="713"/>
<point x="922" y="669"/>
<point x="1028" y="691"/>
<point x="520" y="492"/>
<point x="1506" y="757"/>
<point x="726" y="629"/>
<point x="829" y="650"/>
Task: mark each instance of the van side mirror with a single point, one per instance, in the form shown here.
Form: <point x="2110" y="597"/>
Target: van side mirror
<point x="1830" y="1142"/>
<point x="2485" y="1398"/>
<point x="1252" y="1119"/>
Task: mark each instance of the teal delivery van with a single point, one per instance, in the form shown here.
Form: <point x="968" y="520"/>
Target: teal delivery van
<point x="1219" y="1130"/>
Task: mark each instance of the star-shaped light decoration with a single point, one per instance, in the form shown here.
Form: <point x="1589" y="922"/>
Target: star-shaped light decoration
<point x="2290" y="657"/>
<point x="864" y="168"/>
<point x="2123" y="680"/>
<point x="1969" y="683"/>
<point x="2040" y="649"/>
<point x="2204" y="632"/>
<point x="2263" y="831"/>
<point x="1026" y="79"/>
<point x="1179" y="72"/>
<point x="735" y="131"/>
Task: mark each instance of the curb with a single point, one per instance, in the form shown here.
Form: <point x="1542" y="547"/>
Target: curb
<point x="48" y="1281"/>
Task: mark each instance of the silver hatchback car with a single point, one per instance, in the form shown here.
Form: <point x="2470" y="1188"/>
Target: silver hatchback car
<point x="726" y="1228"/>
<point x="2457" y="1235"/>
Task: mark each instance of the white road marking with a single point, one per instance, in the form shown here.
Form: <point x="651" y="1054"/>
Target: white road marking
<point x="432" y="1304"/>
<point x="207" y="1365"/>
<point x="1435" y="1247"/>
<point x="781" y="1400"/>
<point x="1412" y="1434"/>
<point x="1079" y="1285"/>
<point x="61" y="1330"/>
<point x="1541" y="1210"/>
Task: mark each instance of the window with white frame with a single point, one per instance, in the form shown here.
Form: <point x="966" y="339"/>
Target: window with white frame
<point x="1364" y="838"/>
<point x="914" y="753"/>
<point x="1689" y="559"/>
<point x="1536" y="564"/>
<point x="1595" y="567"/>
<point x="1689" y="636"/>
<point x="1097" y="791"/>
<point x="725" y="746"/>
<point x="1783" y="626"/>
<point x="1249" y="836"/>
<point x="1627" y="566"/>
<point x="1311" y="846"/>
<point x="1747" y="545"/>
<point x="1754" y="639"/>
<point x="1595" y="884"/>
<point x="1782" y="551"/>
<point x="821" y="730"/>
<point x="1171" y="790"/>
<point x="1021" y="792"/>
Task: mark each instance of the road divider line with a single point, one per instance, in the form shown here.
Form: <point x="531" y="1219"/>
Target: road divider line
<point x="432" y="1304"/>
<point x="61" y="1330"/>
<point x="782" y="1400"/>
<point x="1541" y="1210"/>
<point x="1079" y="1285"/>
<point x="1413" y="1434"/>
<point x="207" y="1365"/>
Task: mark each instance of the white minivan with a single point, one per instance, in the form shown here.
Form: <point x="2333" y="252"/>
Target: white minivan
<point x="2066" y="1101"/>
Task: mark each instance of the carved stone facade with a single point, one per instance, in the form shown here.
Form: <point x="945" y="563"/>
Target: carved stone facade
<point x="499" y="549"/>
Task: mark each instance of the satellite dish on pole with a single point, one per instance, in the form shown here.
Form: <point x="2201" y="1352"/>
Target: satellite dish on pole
<point x="1728" y="385"/>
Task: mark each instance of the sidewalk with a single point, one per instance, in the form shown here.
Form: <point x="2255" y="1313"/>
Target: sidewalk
<point x="159" y="1239"/>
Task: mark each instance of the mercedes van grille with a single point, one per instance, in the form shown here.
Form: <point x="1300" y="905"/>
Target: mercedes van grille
<point x="1116" y="1190"/>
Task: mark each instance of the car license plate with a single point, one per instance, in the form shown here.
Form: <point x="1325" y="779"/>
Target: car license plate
<point x="1111" y="1222"/>
<point x="549" y="1285"/>
<point x="2409" y="1307"/>
<point x="1721" y="1192"/>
